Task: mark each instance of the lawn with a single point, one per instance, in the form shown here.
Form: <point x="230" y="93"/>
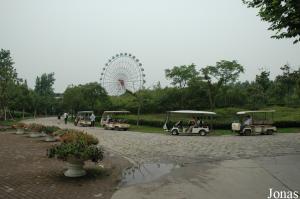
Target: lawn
<point x="229" y="114"/>
<point x="8" y="122"/>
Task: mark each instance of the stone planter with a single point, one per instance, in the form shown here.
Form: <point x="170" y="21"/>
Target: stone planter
<point x="50" y="138"/>
<point x="75" y="168"/>
<point x="37" y="135"/>
<point x="20" y="131"/>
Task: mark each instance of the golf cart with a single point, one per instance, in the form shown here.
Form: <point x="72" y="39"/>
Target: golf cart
<point x="110" y="121"/>
<point x="192" y="127"/>
<point x="83" y="118"/>
<point x="259" y="122"/>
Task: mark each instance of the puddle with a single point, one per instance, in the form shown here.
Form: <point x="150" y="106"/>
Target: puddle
<point x="143" y="173"/>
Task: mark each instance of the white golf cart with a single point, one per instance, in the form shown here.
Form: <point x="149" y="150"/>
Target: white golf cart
<point x="111" y="121"/>
<point x="259" y="122"/>
<point x="83" y="118"/>
<point x="198" y="126"/>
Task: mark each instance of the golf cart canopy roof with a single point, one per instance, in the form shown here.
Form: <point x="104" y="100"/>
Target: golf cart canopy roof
<point x="193" y="112"/>
<point x="116" y="112"/>
<point x="262" y="111"/>
<point x="85" y="112"/>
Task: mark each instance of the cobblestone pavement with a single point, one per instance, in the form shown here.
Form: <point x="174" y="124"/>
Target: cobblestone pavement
<point x="146" y="147"/>
<point x="26" y="172"/>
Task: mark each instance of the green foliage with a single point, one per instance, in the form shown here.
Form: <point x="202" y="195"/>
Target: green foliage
<point x="44" y="95"/>
<point x="51" y="129"/>
<point x="77" y="145"/>
<point x="181" y="75"/>
<point x="36" y="127"/>
<point x="223" y="73"/>
<point x="74" y="135"/>
<point x="20" y="125"/>
<point x="8" y="77"/>
<point x="283" y="16"/>
<point x="89" y="96"/>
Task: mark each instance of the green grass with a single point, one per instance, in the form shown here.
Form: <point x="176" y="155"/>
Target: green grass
<point x="12" y="122"/>
<point x="8" y="122"/>
<point x="288" y="130"/>
<point x="229" y="114"/>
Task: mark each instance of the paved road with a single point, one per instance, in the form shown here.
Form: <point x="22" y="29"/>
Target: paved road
<point x="147" y="147"/>
<point x="213" y="167"/>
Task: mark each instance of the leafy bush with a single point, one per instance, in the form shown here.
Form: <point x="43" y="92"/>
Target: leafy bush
<point x="51" y="129"/>
<point x="77" y="145"/>
<point x="36" y="127"/>
<point x="60" y="132"/>
<point x="20" y="125"/>
<point x="74" y="136"/>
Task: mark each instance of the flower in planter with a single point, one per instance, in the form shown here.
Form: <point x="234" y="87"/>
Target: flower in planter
<point x="36" y="127"/>
<point x="20" y="128"/>
<point x="20" y="125"/>
<point x="75" y="148"/>
<point x="49" y="130"/>
<point x="37" y="130"/>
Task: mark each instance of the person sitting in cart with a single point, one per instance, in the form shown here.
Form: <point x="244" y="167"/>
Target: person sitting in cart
<point x="199" y="122"/>
<point x="247" y="122"/>
<point x="179" y="124"/>
<point x="192" y="124"/>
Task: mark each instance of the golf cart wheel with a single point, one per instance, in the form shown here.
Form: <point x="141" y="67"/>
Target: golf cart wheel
<point x="247" y="132"/>
<point x="269" y="132"/>
<point x="202" y="133"/>
<point x="116" y="128"/>
<point x="174" y="132"/>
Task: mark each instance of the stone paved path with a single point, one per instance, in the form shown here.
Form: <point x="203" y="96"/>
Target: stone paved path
<point x="147" y="147"/>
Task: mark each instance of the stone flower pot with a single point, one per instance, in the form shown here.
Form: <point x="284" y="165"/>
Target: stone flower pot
<point x="75" y="168"/>
<point x="20" y="131"/>
<point x="50" y="138"/>
<point x="37" y="135"/>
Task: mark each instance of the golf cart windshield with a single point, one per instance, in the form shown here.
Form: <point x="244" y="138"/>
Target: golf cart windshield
<point x="84" y="115"/>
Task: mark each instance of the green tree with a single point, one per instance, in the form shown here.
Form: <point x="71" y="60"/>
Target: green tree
<point x="19" y="97"/>
<point x="8" y="77"/>
<point x="181" y="75"/>
<point x="284" y="16"/>
<point x="44" y="97"/>
<point x="90" y="96"/>
<point x="223" y="73"/>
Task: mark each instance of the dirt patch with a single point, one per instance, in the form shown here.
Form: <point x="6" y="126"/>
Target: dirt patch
<point x="26" y="172"/>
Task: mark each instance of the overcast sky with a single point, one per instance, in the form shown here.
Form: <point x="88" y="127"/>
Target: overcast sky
<point x="74" y="38"/>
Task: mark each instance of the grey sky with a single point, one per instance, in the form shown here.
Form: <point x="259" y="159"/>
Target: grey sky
<point x="74" y="38"/>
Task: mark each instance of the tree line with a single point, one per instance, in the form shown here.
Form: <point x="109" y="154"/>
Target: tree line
<point x="211" y="87"/>
<point x="216" y="87"/>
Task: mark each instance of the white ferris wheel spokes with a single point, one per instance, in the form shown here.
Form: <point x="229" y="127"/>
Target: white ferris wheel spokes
<point x="122" y="72"/>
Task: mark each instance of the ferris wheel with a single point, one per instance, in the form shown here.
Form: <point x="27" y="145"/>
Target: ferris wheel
<point x="122" y="72"/>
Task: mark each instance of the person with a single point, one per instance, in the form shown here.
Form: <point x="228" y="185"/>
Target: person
<point x="66" y="117"/>
<point x="92" y="118"/>
<point x="199" y="122"/>
<point x="247" y="122"/>
<point x="192" y="123"/>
